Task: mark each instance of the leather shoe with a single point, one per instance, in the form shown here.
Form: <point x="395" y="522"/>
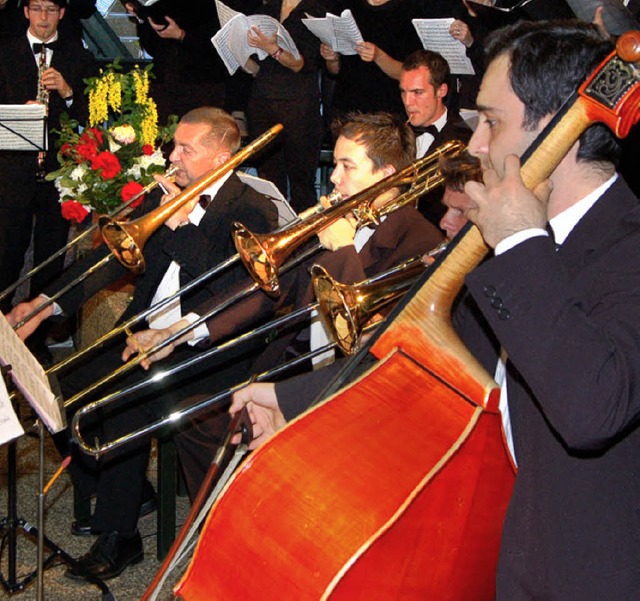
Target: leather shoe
<point x="108" y="557"/>
<point x="81" y="527"/>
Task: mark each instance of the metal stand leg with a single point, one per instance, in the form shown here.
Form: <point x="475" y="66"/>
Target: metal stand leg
<point x="12" y="524"/>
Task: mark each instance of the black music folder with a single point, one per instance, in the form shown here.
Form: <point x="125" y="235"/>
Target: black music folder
<point x="507" y="12"/>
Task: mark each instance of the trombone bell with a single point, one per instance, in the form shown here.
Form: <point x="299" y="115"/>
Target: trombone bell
<point x="122" y="244"/>
<point x="255" y="255"/>
<point x="345" y="310"/>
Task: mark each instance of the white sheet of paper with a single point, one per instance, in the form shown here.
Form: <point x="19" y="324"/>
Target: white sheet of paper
<point x="434" y="35"/>
<point x="22" y="127"/>
<point x="10" y="427"/>
<point x="340" y="33"/>
<point x="231" y="39"/>
<point x="285" y="213"/>
<point x="29" y="377"/>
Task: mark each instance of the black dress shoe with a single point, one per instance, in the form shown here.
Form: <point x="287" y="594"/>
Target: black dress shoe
<point x="149" y="499"/>
<point x="81" y="527"/>
<point x="109" y="556"/>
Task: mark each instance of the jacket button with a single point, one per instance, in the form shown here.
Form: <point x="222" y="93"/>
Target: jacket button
<point x="489" y="291"/>
<point x="496" y="302"/>
<point x="504" y="314"/>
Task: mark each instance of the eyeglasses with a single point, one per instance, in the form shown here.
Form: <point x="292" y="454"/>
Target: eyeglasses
<point x="47" y="10"/>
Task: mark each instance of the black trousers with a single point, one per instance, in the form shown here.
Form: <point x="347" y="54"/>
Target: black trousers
<point x="38" y="211"/>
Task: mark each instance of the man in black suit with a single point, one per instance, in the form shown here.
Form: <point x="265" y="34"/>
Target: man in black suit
<point x="424" y="87"/>
<point x="23" y="198"/>
<point x="190" y="242"/>
<point x="557" y="321"/>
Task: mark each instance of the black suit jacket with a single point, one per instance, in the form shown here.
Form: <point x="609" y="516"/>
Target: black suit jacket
<point x="570" y="323"/>
<point x="18" y="84"/>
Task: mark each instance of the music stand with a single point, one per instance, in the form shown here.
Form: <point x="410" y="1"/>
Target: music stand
<point x="11" y="346"/>
<point x="23" y="127"/>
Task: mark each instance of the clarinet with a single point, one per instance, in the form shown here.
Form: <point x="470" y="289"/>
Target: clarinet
<point x="42" y="97"/>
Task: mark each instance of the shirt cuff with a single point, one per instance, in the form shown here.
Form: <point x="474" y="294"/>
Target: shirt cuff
<point x="57" y="309"/>
<point x="510" y="241"/>
<point x="200" y="333"/>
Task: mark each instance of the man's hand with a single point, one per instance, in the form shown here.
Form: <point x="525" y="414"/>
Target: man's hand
<point x="367" y="51"/>
<point x="338" y="234"/>
<point x="20" y="311"/>
<point x="52" y="80"/>
<point x="143" y="341"/>
<point x="262" y="404"/>
<point x="181" y="216"/>
<point x="502" y="207"/>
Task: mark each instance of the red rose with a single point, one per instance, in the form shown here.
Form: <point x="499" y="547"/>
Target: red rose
<point x="73" y="211"/>
<point x="66" y="149"/>
<point x="87" y="150"/>
<point x="92" y="134"/>
<point x="129" y="190"/>
<point x="147" y="150"/>
<point x="108" y="163"/>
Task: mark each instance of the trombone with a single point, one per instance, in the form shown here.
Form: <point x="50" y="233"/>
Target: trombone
<point x="169" y="173"/>
<point x="423" y="175"/>
<point x="263" y="254"/>
<point x="406" y="272"/>
<point x="127" y="239"/>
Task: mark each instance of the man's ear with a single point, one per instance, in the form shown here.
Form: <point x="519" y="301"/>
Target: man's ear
<point x="442" y="90"/>
<point x="388" y="170"/>
<point x="62" y="11"/>
<point x="222" y="158"/>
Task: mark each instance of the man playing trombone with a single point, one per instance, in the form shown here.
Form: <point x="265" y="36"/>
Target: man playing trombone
<point x="194" y="239"/>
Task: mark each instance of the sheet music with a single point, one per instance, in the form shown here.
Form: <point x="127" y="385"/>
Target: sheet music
<point x="10" y="427"/>
<point x="231" y="40"/>
<point x="22" y="127"/>
<point x="285" y="213"/>
<point x="29" y="377"/>
<point x="340" y="33"/>
<point x="434" y="35"/>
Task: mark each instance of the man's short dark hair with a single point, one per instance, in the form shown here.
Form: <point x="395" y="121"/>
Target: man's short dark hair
<point x="224" y="128"/>
<point x="436" y="63"/>
<point x="387" y="138"/>
<point x="460" y="169"/>
<point x="60" y="3"/>
<point x="549" y="60"/>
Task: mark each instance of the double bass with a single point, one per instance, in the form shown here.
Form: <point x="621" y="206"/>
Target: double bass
<point x="357" y="499"/>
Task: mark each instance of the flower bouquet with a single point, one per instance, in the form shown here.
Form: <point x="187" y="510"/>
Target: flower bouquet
<point x="115" y="156"/>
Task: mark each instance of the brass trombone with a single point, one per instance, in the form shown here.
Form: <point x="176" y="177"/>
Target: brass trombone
<point x="400" y="277"/>
<point x="423" y="175"/>
<point x="127" y="239"/>
<point x="263" y="254"/>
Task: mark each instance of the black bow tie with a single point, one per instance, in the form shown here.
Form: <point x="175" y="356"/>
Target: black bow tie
<point x="427" y="129"/>
<point x="204" y="201"/>
<point x="37" y="47"/>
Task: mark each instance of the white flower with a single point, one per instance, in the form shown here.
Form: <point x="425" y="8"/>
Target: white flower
<point x="143" y="162"/>
<point x="124" y="134"/>
<point x="79" y="172"/>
